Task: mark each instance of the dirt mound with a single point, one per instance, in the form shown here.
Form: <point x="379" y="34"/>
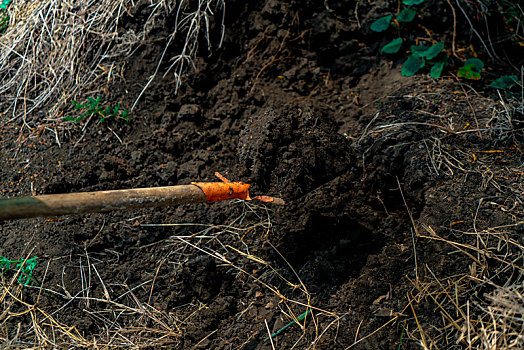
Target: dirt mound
<point x="403" y="196"/>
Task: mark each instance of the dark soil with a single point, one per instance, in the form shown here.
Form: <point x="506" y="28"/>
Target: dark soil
<point x="299" y="103"/>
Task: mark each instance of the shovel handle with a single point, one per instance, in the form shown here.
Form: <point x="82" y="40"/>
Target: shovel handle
<point x="100" y="201"/>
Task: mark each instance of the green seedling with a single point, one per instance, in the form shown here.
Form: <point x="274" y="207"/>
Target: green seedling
<point x="436" y="70"/>
<point x="421" y="55"/>
<point x="4" y="17"/>
<point x="92" y="108"/>
<point x="25" y="268"/>
<point x="427" y="52"/>
<point x="472" y="69"/>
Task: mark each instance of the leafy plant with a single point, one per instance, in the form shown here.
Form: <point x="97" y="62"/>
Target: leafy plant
<point x="92" y="108"/>
<point x="427" y="52"/>
<point x="421" y="55"/>
<point x="436" y="70"/>
<point x="4" y="4"/>
<point x="26" y="268"/>
<point x="4" y="17"/>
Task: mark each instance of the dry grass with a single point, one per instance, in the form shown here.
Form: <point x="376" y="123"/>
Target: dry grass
<point x="122" y="316"/>
<point x="480" y="308"/>
<point x="192" y="19"/>
<point x="481" y="304"/>
<point x="54" y="51"/>
<point x="36" y="317"/>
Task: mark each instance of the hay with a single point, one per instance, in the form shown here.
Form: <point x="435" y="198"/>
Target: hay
<point x="55" y="50"/>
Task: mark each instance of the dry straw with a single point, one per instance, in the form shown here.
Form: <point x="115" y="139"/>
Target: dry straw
<point x="55" y="50"/>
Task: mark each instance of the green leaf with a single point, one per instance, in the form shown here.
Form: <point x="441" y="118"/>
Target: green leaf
<point x="412" y="2"/>
<point x="476" y="62"/>
<point x="469" y="72"/>
<point x="406" y="15"/>
<point x="392" y="47"/>
<point x="471" y="69"/>
<point x="4" y="4"/>
<point x="434" y="50"/>
<point x="505" y="82"/>
<point x="427" y="52"/>
<point x="412" y="65"/>
<point x="436" y="70"/>
<point x="419" y="50"/>
<point x="381" y="24"/>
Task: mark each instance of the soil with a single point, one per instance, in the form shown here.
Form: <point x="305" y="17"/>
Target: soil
<point x="378" y="172"/>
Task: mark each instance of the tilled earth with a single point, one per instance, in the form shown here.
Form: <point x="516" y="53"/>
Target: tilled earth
<point x="379" y="173"/>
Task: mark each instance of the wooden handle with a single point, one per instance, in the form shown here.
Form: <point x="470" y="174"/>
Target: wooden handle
<point x="101" y="201"/>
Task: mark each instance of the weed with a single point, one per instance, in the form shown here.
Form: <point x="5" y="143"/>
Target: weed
<point x="4" y="22"/>
<point x="92" y="108"/>
<point x="434" y="56"/>
<point x="420" y="54"/>
<point x="4" y="4"/>
<point x="25" y="268"/>
<point x="472" y="69"/>
<point x="4" y="17"/>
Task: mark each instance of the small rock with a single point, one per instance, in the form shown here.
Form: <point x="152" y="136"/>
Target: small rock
<point x="136" y="156"/>
<point x="189" y="112"/>
<point x="167" y="172"/>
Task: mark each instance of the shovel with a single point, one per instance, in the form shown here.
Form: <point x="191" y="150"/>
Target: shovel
<point x="104" y="201"/>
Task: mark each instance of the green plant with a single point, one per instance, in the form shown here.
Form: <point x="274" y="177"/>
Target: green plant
<point x="421" y="55"/>
<point x="92" y="108"/>
<point x="472" y="69"/>
<point x="25" y="267"/>
<point x="505" y="82"/>
<point x="4" y="22"/>
<point x="406" y="15"/>
<point x="4" y="17"/>
<point x="4" y="4"/>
